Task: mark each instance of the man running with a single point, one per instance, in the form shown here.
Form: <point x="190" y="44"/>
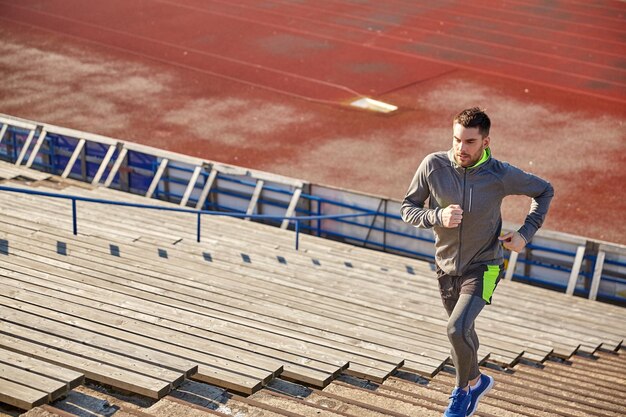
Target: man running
<point x="465" y="187"/>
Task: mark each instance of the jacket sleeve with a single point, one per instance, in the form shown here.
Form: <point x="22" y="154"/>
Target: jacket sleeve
<point x="518" y="182"/>
<point x="412" y="210"/>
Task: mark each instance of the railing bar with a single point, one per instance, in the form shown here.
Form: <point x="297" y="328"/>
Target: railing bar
<point x="35" y="151"/>
<point x="292" y="206"/>
<point x="297" y="234"/>
<point x="177" y="209"/>
<point x="191" y="186"/>
<point x="157" y="177"/>
<point x="103" y="165"/>
<point x="545" y="265"/>
<point x="573" y="278"/>
<point x="597" y="276"/>
<point x="3" y="131"/>
<point x="273" y="204"/>
<point x="207" y="189"/>
<point x="613" y="262"/>
<point x="27" y="143"/>
<point x="335" y="203"/>
<point x="199" y="217"/>
<point x="74" y="218"/>
<point x="255" y="198"/>
<point x="116" y="167"/>
<point x="547" y="249"/>
<point x="73" y="158"/>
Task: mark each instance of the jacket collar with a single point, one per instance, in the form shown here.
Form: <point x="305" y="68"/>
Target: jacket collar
<point x="486" y="157"/>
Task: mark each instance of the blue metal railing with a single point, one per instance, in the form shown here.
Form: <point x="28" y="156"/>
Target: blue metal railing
<point x="319" y="200"/>
<point x="140" y="168"/>
<point x="199" y="213"/>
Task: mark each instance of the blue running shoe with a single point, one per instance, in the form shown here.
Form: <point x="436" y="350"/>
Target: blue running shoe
<point x="486" y="383"/>
<point x="459" y="403"/>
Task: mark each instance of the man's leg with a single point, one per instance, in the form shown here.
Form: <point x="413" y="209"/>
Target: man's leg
<point x="450" y="288"/>
<point x="460" y="329"/>
<point x="474" y="370"/>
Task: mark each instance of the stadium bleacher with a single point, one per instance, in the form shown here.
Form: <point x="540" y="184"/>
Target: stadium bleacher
<point x="134" y="304"/>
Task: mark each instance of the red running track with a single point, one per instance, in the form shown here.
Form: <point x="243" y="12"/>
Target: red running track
<point x="334" y="50"/>
<point x="264" y="83"/>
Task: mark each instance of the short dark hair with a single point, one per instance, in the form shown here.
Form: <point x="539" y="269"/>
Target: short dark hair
<point x="474" y="117"/>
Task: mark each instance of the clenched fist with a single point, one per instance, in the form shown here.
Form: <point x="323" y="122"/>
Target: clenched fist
<point x="452" y="215"/>
<point x="513" y="241"/>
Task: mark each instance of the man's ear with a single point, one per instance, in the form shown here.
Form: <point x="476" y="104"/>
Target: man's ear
<point x="486" y="141"/>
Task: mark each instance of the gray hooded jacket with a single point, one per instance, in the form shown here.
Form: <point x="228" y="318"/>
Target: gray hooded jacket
<point x="479" y="191"/>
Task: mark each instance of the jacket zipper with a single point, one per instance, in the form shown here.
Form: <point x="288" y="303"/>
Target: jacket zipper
<point x="458" y="265"/>
<point x="470" y="198"/>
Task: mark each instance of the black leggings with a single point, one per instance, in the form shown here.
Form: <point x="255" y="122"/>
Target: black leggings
<point x="462" y="313"/>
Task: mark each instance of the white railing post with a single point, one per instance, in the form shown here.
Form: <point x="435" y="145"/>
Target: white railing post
<point x="191" y="186"/>
<point x="573" y="278"/>
<point x="3" y="131"/>
<point x="103" y="165"/>
<point x="116" y="167"/>
<point x="157" y="177"/>
<point x="292" y="207"/>
<point x="255" y="198"/>
<point x="35" y="151"/>
<point x="73" y="158"/>
<point x="597" y="275"/>
<point x="207" y="188"/>
<point x="27" y="143"/>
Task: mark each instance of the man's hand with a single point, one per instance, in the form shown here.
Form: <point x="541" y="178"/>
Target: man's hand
<point x="513" y="241"/>
<point x="452" y="215"/>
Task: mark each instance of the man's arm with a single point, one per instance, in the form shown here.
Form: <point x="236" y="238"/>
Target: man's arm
<point x="518" y="182"/>
<point x="412" y="210"/>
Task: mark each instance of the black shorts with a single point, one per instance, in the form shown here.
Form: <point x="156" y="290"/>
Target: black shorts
<point x="480" y="281"/>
